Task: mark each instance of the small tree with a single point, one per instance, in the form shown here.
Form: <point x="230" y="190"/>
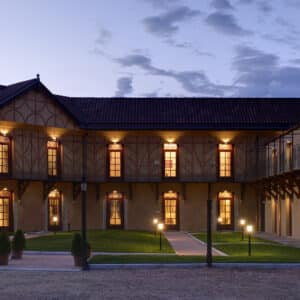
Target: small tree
<point x="77" y="245"/>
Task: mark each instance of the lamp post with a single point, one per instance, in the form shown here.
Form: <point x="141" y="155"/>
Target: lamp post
<point x="242" y="224"/>
<point x="55" y="221"/>
<point x="249" y="230"/>
<point x="85" y="265"/>
<point x="155" y="222"/>
<point x="160" y="228"/>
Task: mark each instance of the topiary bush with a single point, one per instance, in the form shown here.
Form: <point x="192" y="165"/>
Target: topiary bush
<point x="77" y="244"/>
<point x="19" y="242"/>
<point x="5" y="247"/>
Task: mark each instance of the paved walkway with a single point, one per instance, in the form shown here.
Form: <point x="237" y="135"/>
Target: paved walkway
<point x="279" y="239"/>
<point x="185" y="244"/>
<point x="42" y="262"/>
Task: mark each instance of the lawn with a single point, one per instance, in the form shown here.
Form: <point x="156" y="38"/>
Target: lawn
<point x="103" y="241"/>
<point x="262" y="250"/>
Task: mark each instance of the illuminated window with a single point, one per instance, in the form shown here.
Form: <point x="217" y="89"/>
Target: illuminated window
<point x="54" y="210"/>
<point x="4" y="155"/>
<point x="115" y="210"/>
<point x="5" y="210"/>
<point x="170" y="209"/>
<point x="225" y="160"/>
<point x="53" y="158"/>
<point x="115" y="160"/>
<point x="170" y="160"/>
<point x="225" y="200"/>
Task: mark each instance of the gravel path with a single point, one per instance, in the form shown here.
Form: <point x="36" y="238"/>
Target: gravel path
<point x="152" y="284"/>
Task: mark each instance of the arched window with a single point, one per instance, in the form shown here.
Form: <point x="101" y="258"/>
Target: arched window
<point x="115" y="210"/>
<point x="225" y="211"/>
<point x="54" y="211"/>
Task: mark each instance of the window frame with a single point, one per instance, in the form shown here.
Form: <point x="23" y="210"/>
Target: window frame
<point x="58" y="159"/>
<point x="170" y="178"/>
<point x="10" y="226"/>
<point x="109" y="151"/>
<point x="177" y="225"/>
<point x="232" y="215"/>
<point x="108" y="211"/>
<point x="225" y="178"/>
<point x="5" y="140"/>
<point x="59" y="225"/>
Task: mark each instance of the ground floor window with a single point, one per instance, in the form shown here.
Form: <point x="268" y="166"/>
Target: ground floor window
<point x="6" y="220"/>
<point x="115" y="210"/>
<point x="225" y="211"/>
<point x="55" y="210"/>
<point x="171" y="210"/>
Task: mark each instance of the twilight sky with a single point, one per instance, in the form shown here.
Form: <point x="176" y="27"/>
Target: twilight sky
<point x="246" y="48"/>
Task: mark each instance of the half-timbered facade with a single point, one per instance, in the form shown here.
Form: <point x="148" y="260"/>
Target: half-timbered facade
<point x="144" y="158"/>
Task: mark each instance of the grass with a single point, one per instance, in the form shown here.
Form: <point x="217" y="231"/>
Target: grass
<point x="262" y="250"/>
<point x="229" y="237"/>
<point x="103" y="241"/>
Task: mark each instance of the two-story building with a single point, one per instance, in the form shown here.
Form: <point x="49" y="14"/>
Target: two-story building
<point x="144" y="158"/>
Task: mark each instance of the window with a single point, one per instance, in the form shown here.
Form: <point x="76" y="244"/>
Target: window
<point x="225" y="160"/>
<point x="4" y="155"/>
<point x="115" y="210"/>
<point x="54" y="210"/>
<point x="170" y="209"/>
<point x="225" y="208"/>
<point x="170" y="160"/>
<point x="5" y="210"/>
<point x="53" y="158"/>
<point x="115" y="161"/>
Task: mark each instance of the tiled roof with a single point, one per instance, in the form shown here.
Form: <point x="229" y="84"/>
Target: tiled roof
<point x="184" y="113"/>
<point x="10" y="91"/>
<point x="172" y="113"/>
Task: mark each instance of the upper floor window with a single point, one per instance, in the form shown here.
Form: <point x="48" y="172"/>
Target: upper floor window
<point x="4" y="155"/>
<point x="225" y="160"/>
<point x="170" y="160"/>
<point x="115" y="167"/>
<point x="53" y="158"/>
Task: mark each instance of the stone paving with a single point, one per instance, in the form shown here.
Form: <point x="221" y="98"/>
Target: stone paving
<point x="185" y="244"/>
<point x="41" y="262"/>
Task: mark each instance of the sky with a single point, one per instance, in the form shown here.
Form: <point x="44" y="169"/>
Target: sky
<point x="153" y="48"/>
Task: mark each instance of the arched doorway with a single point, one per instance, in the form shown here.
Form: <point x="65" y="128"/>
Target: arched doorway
<point x="225" y="211"/>
<point x="6" y="210"/>
<point x="55" y="211"/>
<point x="115" y="210"/>
<point x="171" y="210"/>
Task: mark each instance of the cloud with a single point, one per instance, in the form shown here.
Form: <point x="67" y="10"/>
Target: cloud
<point x="166" y="24"/>
<point x="265" y="6"/>
<point x="104" y="36"/>
<point x="226" y="24"/>
<point x="124" y="87"/>
<point x="259" y="74"/>
<point x="162" y="4"/>
<point x="195" y="82"/>
<point x="221" y="4"/>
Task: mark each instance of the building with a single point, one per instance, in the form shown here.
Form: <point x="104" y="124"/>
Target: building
<point x="145" y="158"/>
